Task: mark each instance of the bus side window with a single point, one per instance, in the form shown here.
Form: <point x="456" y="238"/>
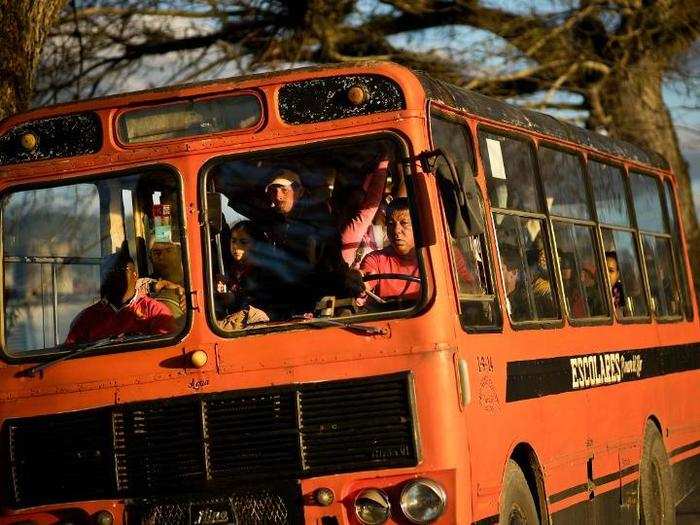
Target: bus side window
<point x="619" y="242"/>
<point x="478" y="304"/>
<point x="656" y="245"/>
<point x="678" y="258"/>
<point x="520" y="229"/>
<point x="566" y="197"/>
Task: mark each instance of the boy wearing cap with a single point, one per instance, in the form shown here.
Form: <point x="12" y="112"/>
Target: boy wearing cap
<point x="306" y="254"/>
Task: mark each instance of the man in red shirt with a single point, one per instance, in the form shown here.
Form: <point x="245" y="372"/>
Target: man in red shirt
<point x="399" y="257"/>
<point x="121" y="311"/>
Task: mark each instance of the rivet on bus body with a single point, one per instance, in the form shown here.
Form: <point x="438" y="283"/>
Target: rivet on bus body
<point x="357" y="95"/>
<point x="29" y="141"/>
<point x="104" y="517"/>
<point x="198" y="358"/>
<point x="324" y="496"/>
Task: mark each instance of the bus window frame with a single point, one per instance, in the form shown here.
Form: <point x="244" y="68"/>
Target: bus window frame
<point x="442" y="113"/>
<point x="542" y="216"/>
<point x="632" y="228"/>
<point x="668" y="235"/>
<point x="427" y="286"/>
<point x="40" y="356"/>
<point x="591" y="222"/>
<point x="116" y="119"/>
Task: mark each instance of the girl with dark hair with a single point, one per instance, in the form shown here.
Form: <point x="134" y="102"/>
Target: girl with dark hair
<point x="246" y="292"/>
<point x="616" y="289"/>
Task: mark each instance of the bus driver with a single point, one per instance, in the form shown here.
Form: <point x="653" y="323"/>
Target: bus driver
<point x="398" y="258"/>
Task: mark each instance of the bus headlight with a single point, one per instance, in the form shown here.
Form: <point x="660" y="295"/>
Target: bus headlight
<point x="423" y="500"/>
<point x="372" y="507"/>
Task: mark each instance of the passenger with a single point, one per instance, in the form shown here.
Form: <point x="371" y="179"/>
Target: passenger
<point x="618" y="294"/>
<point x="357" y="234"/>
<point x="165" y="283"/>
<point x="247" y="283"/>
<point x="398" y="258"/>
<point x="542" y="287"/>
<point x="571" y="288"/>
<point x="306" y="259"/>
<point x="513" y="281"/>
<point x="121" y="311"/>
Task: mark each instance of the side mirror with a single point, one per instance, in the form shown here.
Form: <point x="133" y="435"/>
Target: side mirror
<point x="460" y="195"/>
<point x="214" y="207"/>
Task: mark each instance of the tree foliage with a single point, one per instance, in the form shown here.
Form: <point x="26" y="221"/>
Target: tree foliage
<point x="25" y="24"/>
<point x="602" y="62"/>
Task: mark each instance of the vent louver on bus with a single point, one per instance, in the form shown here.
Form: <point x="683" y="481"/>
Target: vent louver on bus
<point x="206" y="442"/>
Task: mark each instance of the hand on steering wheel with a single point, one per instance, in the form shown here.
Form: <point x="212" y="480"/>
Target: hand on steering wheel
<point x="377" y="276"/>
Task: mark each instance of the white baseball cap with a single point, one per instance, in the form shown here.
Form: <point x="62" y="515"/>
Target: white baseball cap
<point x="284" y="177"/>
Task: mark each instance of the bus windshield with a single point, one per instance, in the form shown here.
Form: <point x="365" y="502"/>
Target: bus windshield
<point x="91" y="259"/>
<point x="307" y="233"/>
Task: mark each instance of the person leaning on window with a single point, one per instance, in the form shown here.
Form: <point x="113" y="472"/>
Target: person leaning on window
<point x="121" y="309"/>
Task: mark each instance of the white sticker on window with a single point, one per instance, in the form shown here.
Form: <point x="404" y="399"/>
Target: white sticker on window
<point x="498" y="169"/>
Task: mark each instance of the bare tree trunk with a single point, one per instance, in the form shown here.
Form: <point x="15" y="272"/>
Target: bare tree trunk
<point x="25" y="24"/>
<point x="636" y="112"/>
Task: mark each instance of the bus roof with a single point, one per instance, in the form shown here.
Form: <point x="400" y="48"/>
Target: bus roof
<point x="500" y="111"/>
<point x="436" y="90"/>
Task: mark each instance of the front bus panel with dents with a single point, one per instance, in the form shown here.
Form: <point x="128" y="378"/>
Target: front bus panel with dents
<point x="245" y="378"/>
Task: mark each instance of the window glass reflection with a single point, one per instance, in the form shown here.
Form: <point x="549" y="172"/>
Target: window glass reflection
<point x="312" y="233"/>
<point x="564" y="185"/>
<point x="662" y="278"/>
<point x="580" y="271"/>
<point x="609" y="193"/>
<point x="678" y="249"/>
<point x="510" y="173"/>
<point x="624" y="274"/>
<point x="95" y="265"/>
<point x="527" y="275"/>
<point x="647" y="202"/>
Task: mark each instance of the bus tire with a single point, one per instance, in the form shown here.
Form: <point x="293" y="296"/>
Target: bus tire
<point x="656" y="481"/>
<point x="517" y="505"/>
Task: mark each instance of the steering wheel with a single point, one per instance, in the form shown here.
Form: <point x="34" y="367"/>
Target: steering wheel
<point x="398" y="276"/>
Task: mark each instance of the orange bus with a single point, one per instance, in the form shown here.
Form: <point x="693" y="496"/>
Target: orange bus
<point x="342" y="295"/>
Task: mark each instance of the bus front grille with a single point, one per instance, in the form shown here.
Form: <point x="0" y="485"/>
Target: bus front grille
<point x="209" y="443"/>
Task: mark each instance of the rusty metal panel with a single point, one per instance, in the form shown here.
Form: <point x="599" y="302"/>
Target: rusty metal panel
<point x="324" y="99"/>
<point x="500" y="111"/>
<point x="55" y="137"/>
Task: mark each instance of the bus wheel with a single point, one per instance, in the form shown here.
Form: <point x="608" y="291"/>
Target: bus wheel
<point x="517" y="505"/>
<point x="655" y="481"/>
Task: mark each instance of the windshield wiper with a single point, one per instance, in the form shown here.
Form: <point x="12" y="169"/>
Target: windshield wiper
<point x="100" y="343"/>
<point x="352" y="327"/>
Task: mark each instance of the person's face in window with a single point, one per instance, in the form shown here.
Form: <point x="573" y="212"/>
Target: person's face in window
<point x="587" y="278"/>
<point x="613" y="271"/>
<point x="400" y="232"/>
<point x="131" y="277"/>
<point x="163" y="256"/>
<point x="510" y="278"/>
<point x="282" y="197"/>
<point x="241" y="244"/>
<point x="566" y="267"/>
